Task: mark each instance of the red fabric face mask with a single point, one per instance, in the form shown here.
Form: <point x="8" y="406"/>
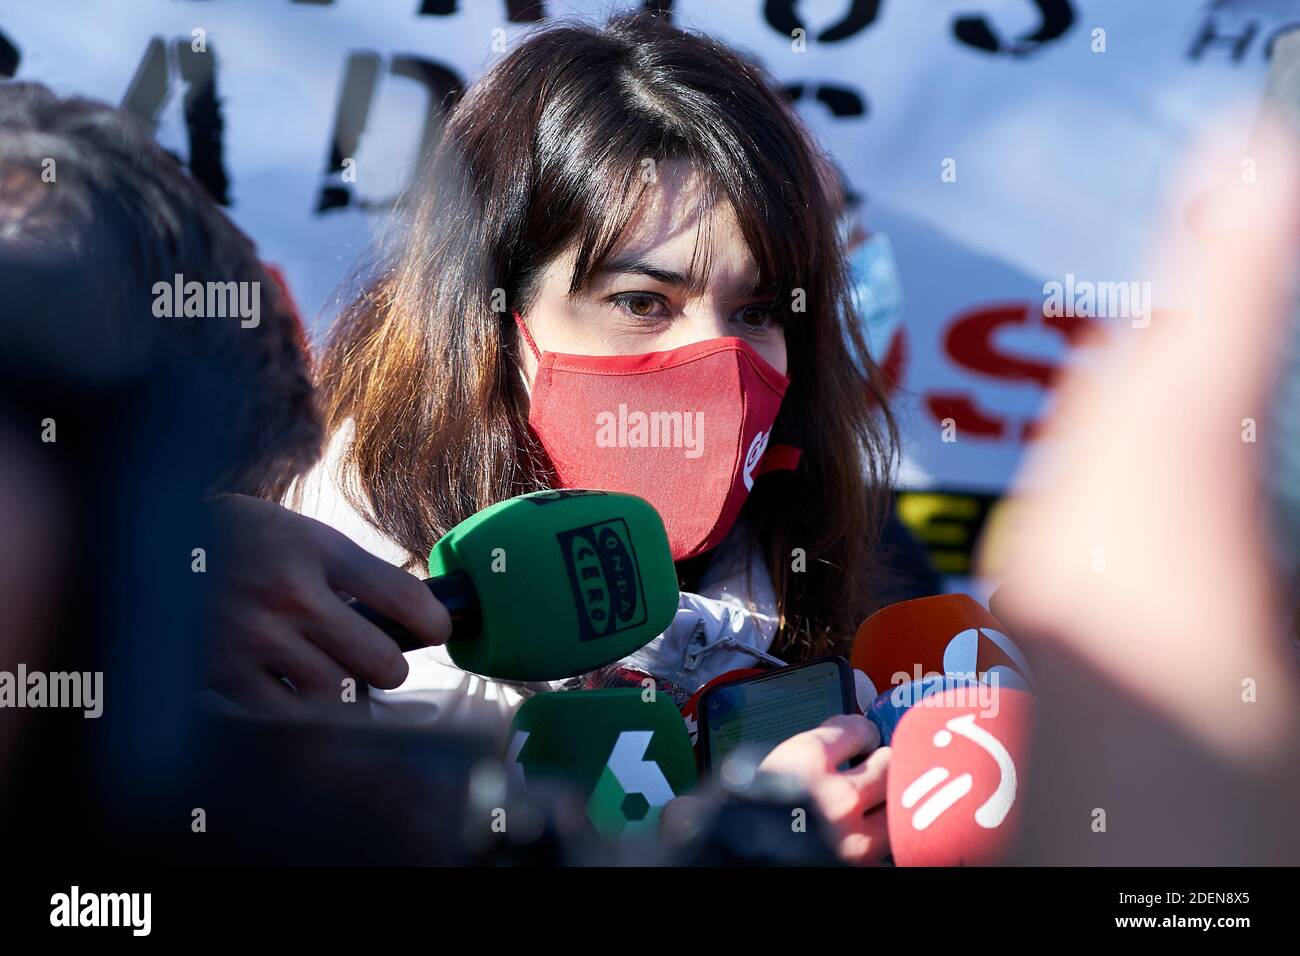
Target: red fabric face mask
<point x="685" y="429"/>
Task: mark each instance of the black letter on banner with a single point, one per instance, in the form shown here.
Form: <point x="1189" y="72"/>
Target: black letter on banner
<point x="525" y="11"/>
<point x="203" y="120"/>
<point x="150" y="89"/>
<point x="1058" y="17"/>
<point x="360" y="79"/>
<point x="444" y="88"/>
<point x="147" y="91"/>
<point x="781" y="16"/>
<point x="840" y="100"/>
<point x="9" y="57"/>
<point x="1209" y="36"/>
<point x="1276" y="35"/>
<point x="517" y="11"/>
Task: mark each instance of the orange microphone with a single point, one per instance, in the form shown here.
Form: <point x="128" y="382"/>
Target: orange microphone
<point x="948" y="634"/>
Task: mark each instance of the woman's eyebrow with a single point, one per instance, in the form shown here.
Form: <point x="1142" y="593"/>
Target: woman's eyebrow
<point x="642" y="267"/>
<point x="637" y="266"/>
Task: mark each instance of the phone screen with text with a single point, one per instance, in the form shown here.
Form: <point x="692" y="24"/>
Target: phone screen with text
<point x="758" y="714"/>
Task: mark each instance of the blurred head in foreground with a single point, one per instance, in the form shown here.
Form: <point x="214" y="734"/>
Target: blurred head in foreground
<point x="116" y="417"/>
<point x="83" y="183"/>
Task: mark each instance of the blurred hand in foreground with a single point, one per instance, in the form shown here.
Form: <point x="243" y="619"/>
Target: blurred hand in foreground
<point x="1141" y="583"/>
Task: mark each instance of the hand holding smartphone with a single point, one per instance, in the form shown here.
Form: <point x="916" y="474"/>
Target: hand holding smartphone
<point x="757" y="713"/>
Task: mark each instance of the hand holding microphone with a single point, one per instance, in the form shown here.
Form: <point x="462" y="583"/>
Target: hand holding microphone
<point x="278" y="613"/>
<point x="538" y="587"/>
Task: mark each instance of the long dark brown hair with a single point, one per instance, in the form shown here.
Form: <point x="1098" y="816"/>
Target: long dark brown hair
<point x="545" y="154"/>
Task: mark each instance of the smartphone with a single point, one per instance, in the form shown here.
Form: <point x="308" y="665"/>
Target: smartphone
<point x="759" y="712"/>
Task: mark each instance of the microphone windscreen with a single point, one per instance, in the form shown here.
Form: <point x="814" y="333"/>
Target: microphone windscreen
<point x="946" y="634"/>
<point x="887" y="710"/>
<point x="625" y="750"/>
<point x="955" y="777"/>
<point x="567" y="581"/>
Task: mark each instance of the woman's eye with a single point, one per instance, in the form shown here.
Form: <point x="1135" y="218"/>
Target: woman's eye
<point x="756" y="317"/>
<point x="641" y="305"/>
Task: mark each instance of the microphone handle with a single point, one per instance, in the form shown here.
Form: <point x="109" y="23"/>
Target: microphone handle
<point x="456" y="593"/>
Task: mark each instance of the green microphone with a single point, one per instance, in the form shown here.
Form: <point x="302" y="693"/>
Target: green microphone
<point x="549" y="585"/>
<point x="626" y="750"/>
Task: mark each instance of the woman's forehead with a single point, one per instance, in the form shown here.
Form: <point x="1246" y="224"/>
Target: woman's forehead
<point x="677" y="228"/>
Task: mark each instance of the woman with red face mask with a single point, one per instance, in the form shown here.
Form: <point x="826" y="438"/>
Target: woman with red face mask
<point x="620" y="269"/>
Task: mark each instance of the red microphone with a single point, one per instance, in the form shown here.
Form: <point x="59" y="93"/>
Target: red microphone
<point x="956" y="777"/>
<point x="947" y="634"/>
